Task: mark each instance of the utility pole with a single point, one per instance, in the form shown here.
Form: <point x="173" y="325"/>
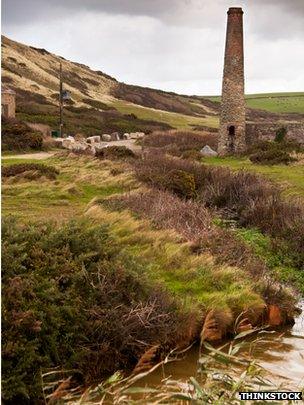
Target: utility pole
<point x="60" y="102"/>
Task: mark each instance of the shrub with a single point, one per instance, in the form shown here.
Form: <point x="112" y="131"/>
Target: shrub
<point x="72" y="299"/>
<point x="272" y="157"/>
<point x="18" y="136"/>
<point x="280" y="134"/>
<point x="245" y="197"/>
<point x="115" y="152"/>
<point x="19" y="168"/>
<point x="191" y="154"/>
<point x="181" y="183"/>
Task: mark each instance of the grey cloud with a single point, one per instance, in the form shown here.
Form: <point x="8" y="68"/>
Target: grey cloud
<point x="171" y="44"/>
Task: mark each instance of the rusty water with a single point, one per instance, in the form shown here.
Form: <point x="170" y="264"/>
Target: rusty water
<point x="280" y="353"/>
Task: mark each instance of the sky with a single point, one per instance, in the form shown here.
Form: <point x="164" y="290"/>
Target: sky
<point x="174" y="45"/>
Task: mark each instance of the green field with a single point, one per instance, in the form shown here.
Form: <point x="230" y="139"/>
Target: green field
<point x="274" y="102"/>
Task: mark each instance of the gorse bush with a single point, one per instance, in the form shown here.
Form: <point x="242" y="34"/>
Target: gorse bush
<point x="115" y="152"/>
<point x="272" y="157"/>
<point x="18" y="136"/>
<point x="271" y="153"/>
<point x="280" y="134"/>
<point x="24" y="168"/>
<point x="71" y="298"/>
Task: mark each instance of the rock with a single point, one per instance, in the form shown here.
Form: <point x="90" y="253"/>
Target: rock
<point x="115" y="136"/>
<point x="275" y="317"/>
<point x="106" y="137"/>
<point x="136" y="135"/>
<point x="58" y="141"/>
<point x="207" y="151"/>
<point x="93" y="139"/>
<point x="67" y="144"/>
<point x="70" y="138"/>
<point x="78" y="147"/>
<point x="216" y="325"/>
<point x="244" y="325"/>
<point x="126" y="135"/>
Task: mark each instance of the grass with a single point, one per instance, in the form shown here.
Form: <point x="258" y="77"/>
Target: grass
<point x="80" y="180"/>
<point x="178" y="121"/>
<point x="279" y="265"/>
<point x="164" y="256"/>
<point x="195" y="279"/>
<point x="291" y="177"/>
<point x="274" y="102"/>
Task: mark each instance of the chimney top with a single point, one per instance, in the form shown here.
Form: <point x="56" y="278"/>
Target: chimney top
<point x="235" y="10"/>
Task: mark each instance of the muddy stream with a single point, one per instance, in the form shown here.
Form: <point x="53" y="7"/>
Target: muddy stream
<point x="280" y="353"/>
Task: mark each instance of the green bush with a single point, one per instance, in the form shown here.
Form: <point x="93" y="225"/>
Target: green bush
<point x="19" y="168"/>
<point x="280" y="134"/>
<point x="272" y="157"/>
<point x="18" y="136"/>
<point x="71" y="299"/>
<point x="181" y="183"/>
<point x="115" y="152"/>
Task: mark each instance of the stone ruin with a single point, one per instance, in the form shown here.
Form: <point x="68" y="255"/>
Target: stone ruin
<point x="235" y="134"/>
<point x="8" y="102"/>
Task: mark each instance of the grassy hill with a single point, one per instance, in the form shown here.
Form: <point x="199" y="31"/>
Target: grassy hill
<point x="274" y="102"/>
<point x="99" y="103"/>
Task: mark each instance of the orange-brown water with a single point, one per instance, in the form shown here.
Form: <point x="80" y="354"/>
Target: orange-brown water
<point x="280" y="353"/>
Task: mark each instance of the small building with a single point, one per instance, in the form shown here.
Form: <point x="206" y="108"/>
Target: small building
<point x="8" y="103"/>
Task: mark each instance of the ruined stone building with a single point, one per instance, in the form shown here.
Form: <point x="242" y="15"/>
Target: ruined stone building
<point x="8" y="103"/>
<point x="232" y="115"/>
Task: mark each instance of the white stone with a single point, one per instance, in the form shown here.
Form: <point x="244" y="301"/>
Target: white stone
<point x="126" y="135"/>
<point x="93" y="139"/>
<point x="137" y="135"/>
<point x="207" y="151"/>
<point x="106" y="137"/>
<point x="115" y="136"/>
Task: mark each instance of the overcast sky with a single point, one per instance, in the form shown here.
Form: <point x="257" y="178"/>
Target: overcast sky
<point x="175" y="45"/>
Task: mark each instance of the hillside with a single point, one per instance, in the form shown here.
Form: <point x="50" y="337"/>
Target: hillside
<point x="99" y="103"/>
<point x="274" y="102"/>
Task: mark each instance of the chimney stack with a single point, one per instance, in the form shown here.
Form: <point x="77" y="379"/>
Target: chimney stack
<point x="232" y="116"/>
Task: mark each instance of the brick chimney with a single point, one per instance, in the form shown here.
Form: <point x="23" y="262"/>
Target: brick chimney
<point x="232" y="116"/>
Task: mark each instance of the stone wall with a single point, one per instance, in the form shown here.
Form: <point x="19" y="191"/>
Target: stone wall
<point x="267" y="131"/>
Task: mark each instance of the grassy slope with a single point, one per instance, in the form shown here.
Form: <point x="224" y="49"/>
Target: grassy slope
<point x="274" y="102"/>
<point x="179" y="121"/>
<point x="291" y="178"/>
<point x="168" y="260"/>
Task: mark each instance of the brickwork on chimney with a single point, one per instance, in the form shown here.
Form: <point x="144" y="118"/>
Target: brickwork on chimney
<point x="232" y="115"/>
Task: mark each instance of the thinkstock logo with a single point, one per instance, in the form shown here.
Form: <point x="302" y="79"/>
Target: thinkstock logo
<point x="270" y="396"/>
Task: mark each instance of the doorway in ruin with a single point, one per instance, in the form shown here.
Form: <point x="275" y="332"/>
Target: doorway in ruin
<point x="231" y="138"/>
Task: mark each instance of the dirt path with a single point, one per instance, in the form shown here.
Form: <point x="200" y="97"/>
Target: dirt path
<point x="38" y="156"/>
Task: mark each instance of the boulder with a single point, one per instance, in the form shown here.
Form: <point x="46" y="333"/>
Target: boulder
<point x="275" y="316"/>
<point x="67" y="143"/>
<point x="126" y="135"/>
<point x="216" y="325"/>
<point x="106" y="137"/>
<point x="70" y="138"/>
<point x="93" y="139"/>
<point x="137" y="135"/>
<point x="207" y="151"/>
<point x="115" y="136"/>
